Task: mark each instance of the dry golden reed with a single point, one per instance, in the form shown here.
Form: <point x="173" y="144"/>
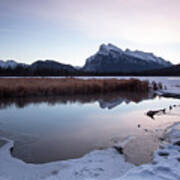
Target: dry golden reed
<point x="30" y="87"/>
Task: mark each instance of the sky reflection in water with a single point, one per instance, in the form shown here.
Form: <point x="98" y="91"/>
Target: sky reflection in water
<point x="49" y="130"/>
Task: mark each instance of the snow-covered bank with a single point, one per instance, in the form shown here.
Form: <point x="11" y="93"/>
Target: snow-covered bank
<point x="172" y="89"/>
<point x="169" y="93"/>
<point x="166" y="163"/>
<point x="171" y="85"/>
<point x="99" y="164"/>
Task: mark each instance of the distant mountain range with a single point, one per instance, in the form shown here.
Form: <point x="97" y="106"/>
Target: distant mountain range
<point x="38" y="68"/>
<point x="47" y="64"/>
<point x="108" y="60"/>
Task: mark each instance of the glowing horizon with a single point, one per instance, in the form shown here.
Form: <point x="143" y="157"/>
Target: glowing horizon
<point x="70" y="31"/>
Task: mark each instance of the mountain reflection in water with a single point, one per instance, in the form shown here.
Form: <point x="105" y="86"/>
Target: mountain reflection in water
<point x="108" y="101"/>
<point x="48" y="129"/>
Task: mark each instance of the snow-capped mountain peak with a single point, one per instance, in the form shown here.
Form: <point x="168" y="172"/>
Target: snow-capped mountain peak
<point x="106" y="50"/>
<point x="110" y="58"/>
<point x="115" y="51"/>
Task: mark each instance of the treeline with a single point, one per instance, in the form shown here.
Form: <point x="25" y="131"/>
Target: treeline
<point x="26" y="71"/>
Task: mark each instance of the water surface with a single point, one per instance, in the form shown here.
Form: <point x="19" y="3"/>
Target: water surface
<point x="60" y="128"/>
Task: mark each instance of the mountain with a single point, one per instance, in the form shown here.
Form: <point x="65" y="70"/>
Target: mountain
<point x="51" y="65"/>
<point x="111" y="59"/>
<point x="38" y="68"/>
<point x="37" y="65"/>
<point x="10" y="64"/>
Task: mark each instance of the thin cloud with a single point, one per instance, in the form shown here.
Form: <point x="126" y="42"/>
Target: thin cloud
<point x="135" y="24"/>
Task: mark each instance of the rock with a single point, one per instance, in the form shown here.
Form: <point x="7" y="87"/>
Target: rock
<point x="170" y="107"/>
<point x="163" y="154"/>
<point x="177" y="143"/>
<point x="119" y="149"/>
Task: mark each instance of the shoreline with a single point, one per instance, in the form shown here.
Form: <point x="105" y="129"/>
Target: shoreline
<point x="97" y="162"/>
<point x="169" y="93"/>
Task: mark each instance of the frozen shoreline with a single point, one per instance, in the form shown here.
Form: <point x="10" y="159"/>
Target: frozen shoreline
<point x="99" y="164"/>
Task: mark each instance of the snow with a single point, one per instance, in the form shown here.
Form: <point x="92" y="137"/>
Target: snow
<point x="91" y="58"/>
<point x="105" y="164"/>
<point x="123" y="143"/>
<point x="8" y="64"/>
<point x="105" y="49"/>
<point x="166" y="163"/>
<point x="145" y="56"/>
<point x="98" y="164"/>
<point x="171" y="88"/>
<point x="171" y="85"/>
<point x="169" y="92"/>
<point x="116" y="52"/>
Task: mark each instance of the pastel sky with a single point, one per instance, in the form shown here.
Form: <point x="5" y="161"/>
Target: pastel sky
<point x="71" y="30"/>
